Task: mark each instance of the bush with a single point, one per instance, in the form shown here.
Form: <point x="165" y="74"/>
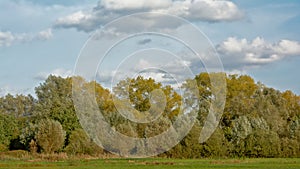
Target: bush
<point x="80" y="143"/>
<point x="50" y="136"/>
<point x="289" y="147"/>
<point x="217" y="144"/>
<point x="262" y="143"/>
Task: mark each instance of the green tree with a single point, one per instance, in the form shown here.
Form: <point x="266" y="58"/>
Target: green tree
<point x="270" y="105"/>
<point x="8" y="130"/>
<point x="20" y="108"/>
<point x="55" y="102"/>
<point x="28" y="134"/>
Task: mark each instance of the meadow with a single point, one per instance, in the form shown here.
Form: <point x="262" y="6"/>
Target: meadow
<point x="156" y="163"/>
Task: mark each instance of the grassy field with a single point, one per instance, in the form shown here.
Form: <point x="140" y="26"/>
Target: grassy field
<point x="156" y="164"/>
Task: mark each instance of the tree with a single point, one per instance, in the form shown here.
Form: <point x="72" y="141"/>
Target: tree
<point x="55" y="102"/>
<point x="8" y="130"/>
<point x="19" y="108"/>
<point x="205" y="95"/>
<point x="141" y="93"/>
<point x="258" y="121"/>
<point x="239" y="100"/>
<point x="50" y="135"/>
<point x="270" y="105"/>
<point x="28" y="134"/>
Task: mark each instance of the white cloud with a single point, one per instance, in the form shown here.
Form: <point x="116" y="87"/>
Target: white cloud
<point x="108" y="10"/>
<point x="173" y="73"/>
<point x="162" y="77"/>
<point x="105" y="77"/>
<point x="236" y="71"/>
<point x="287" y="47"/>
<point x="54" y="2"/>
<point x="8" y="38"/>
<point x="57" y="72"/>
<point x="237" y="55"/>
<point x="20" y="15"/>
<point x="85" y="20"/>
<point x="45" y="34"/>
<point x="134" y="4"/>
<point x="74" y="20"/>
<point x="206" y="10"/>
<point x="240" y="53"/>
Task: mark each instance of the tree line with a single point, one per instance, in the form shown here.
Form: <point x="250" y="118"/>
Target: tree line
<point x="258" y="121"/>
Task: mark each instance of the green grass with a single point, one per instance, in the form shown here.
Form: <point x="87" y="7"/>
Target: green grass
<point x="289" y="163"/>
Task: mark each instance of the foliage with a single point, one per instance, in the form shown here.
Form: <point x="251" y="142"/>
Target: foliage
<point x="262" y="143"/>
<point x="8" y="130"/>
<point x="50" y="136"/>
<point x="80" y="143"/>
<point x="140" y="93"/>
<point x="258" y="121"/>
<point x="55" y="102"/>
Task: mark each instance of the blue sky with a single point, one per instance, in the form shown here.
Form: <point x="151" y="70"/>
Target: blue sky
<point x="38" y="38"/>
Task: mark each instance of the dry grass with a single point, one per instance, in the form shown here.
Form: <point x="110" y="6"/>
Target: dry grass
<point x="15" y="155"/>
<point x="21" y="155"/>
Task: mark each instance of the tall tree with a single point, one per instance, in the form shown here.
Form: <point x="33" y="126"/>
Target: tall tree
<point x="55" y="102"/>
<point x="140" y="93"/>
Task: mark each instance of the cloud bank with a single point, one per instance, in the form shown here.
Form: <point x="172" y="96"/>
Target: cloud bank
<point x="241" y="53"/>
<point x="57" y="72"/>
<point x="108" y="10"/>
<point x="8" y="38"/>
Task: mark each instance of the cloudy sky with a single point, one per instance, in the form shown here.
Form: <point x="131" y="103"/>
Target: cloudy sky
<point x="38" y="38"/>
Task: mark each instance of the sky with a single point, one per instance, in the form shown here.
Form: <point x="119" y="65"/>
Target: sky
<point x="253" y="37"/>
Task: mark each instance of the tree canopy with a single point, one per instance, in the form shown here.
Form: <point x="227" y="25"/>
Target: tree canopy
<point x="258" y="121"/>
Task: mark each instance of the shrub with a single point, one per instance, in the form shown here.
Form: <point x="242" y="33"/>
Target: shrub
<point x="50" y="135"/>
<point x="262" y="143"/>
<point x="80" y="143"/>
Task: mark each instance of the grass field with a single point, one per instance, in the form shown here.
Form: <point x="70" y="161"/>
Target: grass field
<point x="157" y="164"/>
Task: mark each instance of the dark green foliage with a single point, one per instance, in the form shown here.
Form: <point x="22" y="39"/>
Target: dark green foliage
<point x="262" y="143"/>
<point x="8" y="130"/>
<point x="55" y="102"/>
